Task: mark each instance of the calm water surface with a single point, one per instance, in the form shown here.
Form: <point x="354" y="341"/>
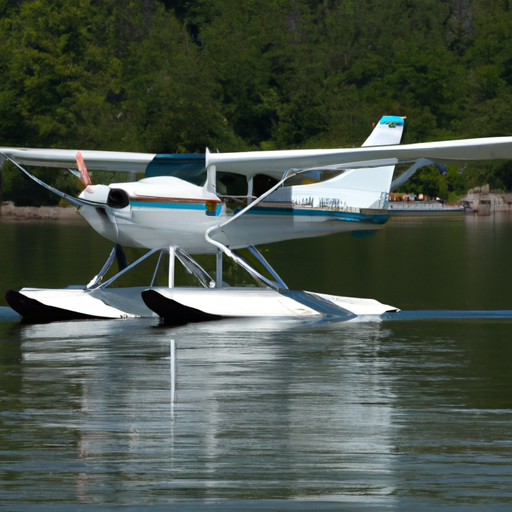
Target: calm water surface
<point x="411" y="414"/>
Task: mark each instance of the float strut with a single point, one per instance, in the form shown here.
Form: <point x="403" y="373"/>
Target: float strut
<point x="218" y="268"/>
<point x="172" y="264"/>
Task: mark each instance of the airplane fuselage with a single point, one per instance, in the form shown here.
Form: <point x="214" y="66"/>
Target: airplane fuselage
<point x="183" y="222"/>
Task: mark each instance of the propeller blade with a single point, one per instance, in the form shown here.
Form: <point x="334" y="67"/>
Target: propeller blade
<point x="84" y="174"/>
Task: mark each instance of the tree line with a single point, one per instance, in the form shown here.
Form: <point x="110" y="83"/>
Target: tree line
<point x="182" y="75"/>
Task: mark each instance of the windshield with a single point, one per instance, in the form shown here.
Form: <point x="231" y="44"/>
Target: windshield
<point x="187" y="167"/>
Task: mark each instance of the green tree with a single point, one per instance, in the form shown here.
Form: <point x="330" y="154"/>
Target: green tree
<point x="54" y="75"/>
<point x="172" y="96"/>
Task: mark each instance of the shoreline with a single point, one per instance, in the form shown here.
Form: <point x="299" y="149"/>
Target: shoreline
<point x="10" y="212"/>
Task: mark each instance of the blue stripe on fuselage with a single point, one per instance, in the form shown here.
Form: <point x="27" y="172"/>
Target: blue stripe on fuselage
<point x="377" y="218"/>
<point x="175" y="206"/>
<point x="178" y="206"/>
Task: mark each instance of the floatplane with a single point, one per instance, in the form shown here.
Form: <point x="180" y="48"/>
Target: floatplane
<point x="222" y="203"/>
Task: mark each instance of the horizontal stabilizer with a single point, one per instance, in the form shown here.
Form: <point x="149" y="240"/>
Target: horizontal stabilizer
<point x="422" y="162"/>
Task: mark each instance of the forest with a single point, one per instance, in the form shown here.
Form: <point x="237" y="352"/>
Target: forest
<point x="178" y="76"/>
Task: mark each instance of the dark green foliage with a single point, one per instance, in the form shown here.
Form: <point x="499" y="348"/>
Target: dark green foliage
<point x="182" y="75"/>
<point x="430" y="182"/>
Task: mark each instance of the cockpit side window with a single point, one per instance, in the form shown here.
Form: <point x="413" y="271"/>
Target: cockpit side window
<point x="231" y="184"/>
<point x="312" y="177"/>
<point x="261" y="183"/>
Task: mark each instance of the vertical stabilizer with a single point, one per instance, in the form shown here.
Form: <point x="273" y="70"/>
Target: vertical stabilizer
<point x="387" y="132"/>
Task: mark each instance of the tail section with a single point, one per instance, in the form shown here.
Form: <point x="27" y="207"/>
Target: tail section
<point x="355" y="188"/>
<point x="388" y="131"/>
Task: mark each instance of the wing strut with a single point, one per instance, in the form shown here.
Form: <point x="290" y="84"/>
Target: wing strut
<point x="75" y="201"/>
<point x="290" y="173"/>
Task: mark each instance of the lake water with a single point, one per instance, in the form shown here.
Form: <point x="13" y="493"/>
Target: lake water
<point x="411" y="413"/>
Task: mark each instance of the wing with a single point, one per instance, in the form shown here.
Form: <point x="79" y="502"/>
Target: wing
<point x="66" y="158"/>
<point x="274" y="163"/>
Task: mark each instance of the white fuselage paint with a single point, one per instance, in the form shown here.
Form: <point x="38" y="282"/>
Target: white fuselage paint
<point x="167" y="211"/>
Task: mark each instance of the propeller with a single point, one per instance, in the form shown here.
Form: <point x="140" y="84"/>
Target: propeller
<point x="100" y="190"/>
<point x="84" y="174"/>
